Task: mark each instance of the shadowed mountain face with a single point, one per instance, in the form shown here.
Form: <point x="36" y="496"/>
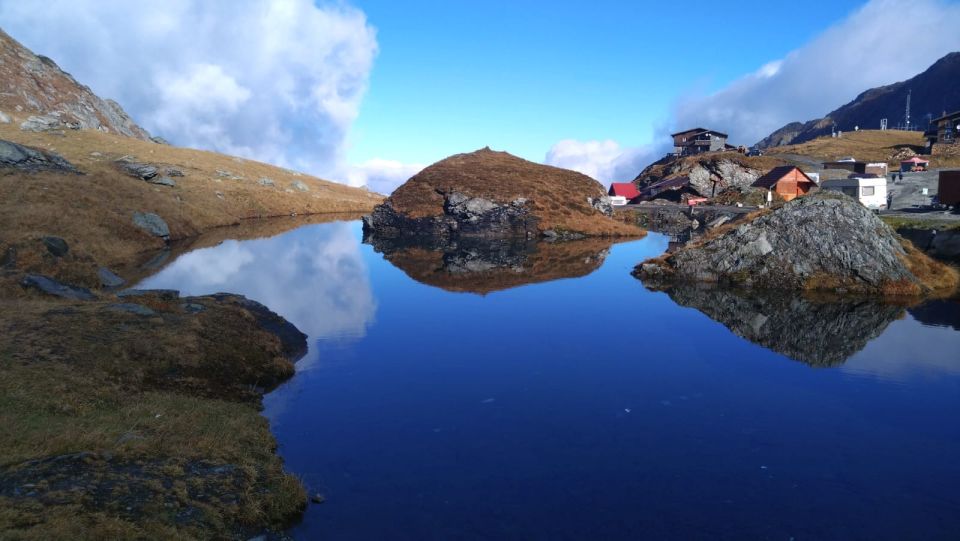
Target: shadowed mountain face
<point x="817" y="332"/>
<point x="485" y="266"/>
<point x="933" y="93"/>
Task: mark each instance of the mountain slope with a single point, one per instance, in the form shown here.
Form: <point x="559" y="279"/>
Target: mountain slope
<point x="931" y="93"/>
<point x="35" y="85"/>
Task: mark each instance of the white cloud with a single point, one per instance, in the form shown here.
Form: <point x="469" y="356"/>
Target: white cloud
<point x="279" y="81"/>
<point x="381" y="176"/>
<point x="883" y="42"/>
<point x="605" y="161"/>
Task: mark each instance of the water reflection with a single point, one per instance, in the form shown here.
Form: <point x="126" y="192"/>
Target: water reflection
<point x="484" y="266"/>
<point x="818" y="332"/>
<point x="314" y="276"/>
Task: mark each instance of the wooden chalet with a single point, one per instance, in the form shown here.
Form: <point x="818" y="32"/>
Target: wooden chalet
<point x="697" y="140"/>
<point x="787" y="181"/>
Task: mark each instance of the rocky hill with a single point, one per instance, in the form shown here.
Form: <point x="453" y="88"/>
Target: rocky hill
<point x="496" y="195"/>
<point x="35" y="91"/>
<point x="708" y="174"/>
<point x="932" y="93"/>
<point x="823" y="241"/>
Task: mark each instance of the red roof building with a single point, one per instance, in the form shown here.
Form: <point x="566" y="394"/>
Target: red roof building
<point x="624" y="189"/>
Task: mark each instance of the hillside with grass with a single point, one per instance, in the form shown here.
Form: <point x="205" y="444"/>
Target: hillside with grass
<point x="888" y="146"/>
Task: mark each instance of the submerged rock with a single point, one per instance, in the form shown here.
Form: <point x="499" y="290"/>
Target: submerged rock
<point x="493" y="195"/>
<point x="822" y="241"/>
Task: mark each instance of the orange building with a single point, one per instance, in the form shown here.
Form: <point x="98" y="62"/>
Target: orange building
<point x="787" y="181"/>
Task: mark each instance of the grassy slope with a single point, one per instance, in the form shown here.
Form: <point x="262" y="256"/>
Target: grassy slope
<point x="558" y="196"/>
<point x="866" y="145"/>
<point x="93" y="211"/>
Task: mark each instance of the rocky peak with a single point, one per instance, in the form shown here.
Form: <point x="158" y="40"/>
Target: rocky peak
<point x="43" y="97"/>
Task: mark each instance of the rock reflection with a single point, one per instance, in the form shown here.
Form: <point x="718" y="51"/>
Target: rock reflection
<point x="820" y="332"/>
<point x="314" y="276"/>
<point x="485" y="266"/>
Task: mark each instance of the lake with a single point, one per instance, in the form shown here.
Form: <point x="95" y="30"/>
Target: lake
<point x="542" y="392"/>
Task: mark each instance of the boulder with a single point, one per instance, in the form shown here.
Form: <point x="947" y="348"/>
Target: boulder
<point x="42" y="123"/>
<point x="56" y="246"/>
<point x="300" y="186"/>
<point x="264" y="181"/>
<point x="159" y="140"/>
<point x="4" y="118"/>
<point x="152" y="224"/>
<point x="31" y="159"/>
<point x="824" y="241"/>
<point x="108" y="279"/>
<point x="50" y="286"/>
<point x="142" y="171"/>
<point x="173" y="172"/>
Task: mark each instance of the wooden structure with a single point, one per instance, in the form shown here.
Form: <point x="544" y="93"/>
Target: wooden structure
<point x="945" y="129"/>
<point x="914" y="164"/>
<point x="948" y="189"/>
<point x="697" y="140"/>
<point x="787" y="181"/>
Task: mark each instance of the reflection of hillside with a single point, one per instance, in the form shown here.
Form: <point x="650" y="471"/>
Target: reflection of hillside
<point x="482" y="267"/>
<point x="817" y="332"/>
<point x="942" y="313"/>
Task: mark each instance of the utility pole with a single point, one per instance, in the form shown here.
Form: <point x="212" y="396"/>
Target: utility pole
<point x="909" y="93"/>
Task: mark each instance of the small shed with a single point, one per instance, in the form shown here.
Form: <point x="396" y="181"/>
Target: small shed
<point x="848" y="164"/>
<point x="876" y="168"/>
<point x="627" y="190"/>
<point x="787" y="181"/>
<point x="948" y="189"/>
<point x="914" y="164"/>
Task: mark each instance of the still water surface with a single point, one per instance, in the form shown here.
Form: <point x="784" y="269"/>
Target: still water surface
<point x="511" y="395"/>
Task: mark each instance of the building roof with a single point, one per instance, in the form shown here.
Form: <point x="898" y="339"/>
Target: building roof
<point x="775" y="175"/>
<point x="699" y="130"/>
<point x="625" y="189"/>
<point x="915" y="159"/>
<point x="955" y="114"/>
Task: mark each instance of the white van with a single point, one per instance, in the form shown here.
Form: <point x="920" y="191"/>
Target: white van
<point x="871" y="192"/>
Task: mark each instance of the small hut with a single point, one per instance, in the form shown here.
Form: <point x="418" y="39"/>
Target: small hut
<point x="787" y="181"/>
<point x="914" y="164"/>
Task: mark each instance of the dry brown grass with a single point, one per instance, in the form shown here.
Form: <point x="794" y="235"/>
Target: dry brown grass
<point x="940" y="279"/>
<point x="558" y="196"/>
<point x="93" y="212"/>
<point x="159" y="392"/>
<point x="865" y="145"/>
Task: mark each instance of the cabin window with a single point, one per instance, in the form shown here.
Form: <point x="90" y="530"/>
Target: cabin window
<point x="868" y="191"/>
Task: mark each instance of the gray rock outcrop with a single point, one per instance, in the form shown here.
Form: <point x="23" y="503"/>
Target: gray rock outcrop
<point x="56" y="246"/>
<point x="821" y="241"/>
<point x="151" y="223"/>
<point x="142" y="171"/>
<point x="108" y="279"/>
<point x="462" y="216"/>
<point x="5" y="118"/>
<point x="50" y="286"/>
<point x="32" y="160"/>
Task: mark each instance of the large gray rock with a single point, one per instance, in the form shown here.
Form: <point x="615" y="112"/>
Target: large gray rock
<point x="462" y="216"/>
<point x="821" y="241"/>
<point x="32" y="159"/>
<point x="142" y="171"/>
<point x="4" y="118"/>
<point x="151" y="223"/>
<point x="300" y="186"/>
<point x="42" y="123"/>
<point x="58" y="289"/>
<point x="162" y="181"/>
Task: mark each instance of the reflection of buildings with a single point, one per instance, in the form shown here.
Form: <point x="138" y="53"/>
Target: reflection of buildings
<point x="484" y="266"/>
<point x="810" y="331"/>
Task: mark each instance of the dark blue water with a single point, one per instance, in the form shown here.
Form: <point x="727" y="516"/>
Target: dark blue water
<point x="591" y="408"/>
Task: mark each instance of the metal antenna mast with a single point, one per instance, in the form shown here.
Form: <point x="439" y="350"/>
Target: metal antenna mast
<point x="909" y="92"/>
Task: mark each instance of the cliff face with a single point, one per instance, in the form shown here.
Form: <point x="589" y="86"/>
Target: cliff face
<point x="931" y="93"/>
<point x="34" y="86"/>
<point x="823" y="241"/>
<point x="708" y="174"/>
<point x="496" y="195"/>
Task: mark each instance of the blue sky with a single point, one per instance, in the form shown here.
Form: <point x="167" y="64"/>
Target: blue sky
<point x="455" y="76"/>
<point x="368" y="92"/>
